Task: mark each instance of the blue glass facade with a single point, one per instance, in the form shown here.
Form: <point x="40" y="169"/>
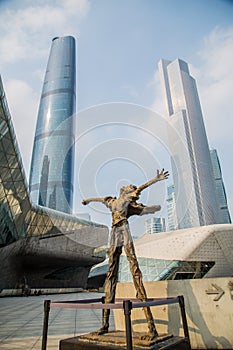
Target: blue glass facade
<point x="49" y="248"/>
<point x="154" y="225"/>
<point x="220" y="188"/>
<point x="19" y="218"/>
<point x="160" y="269"/>
<point x="52" y="169"/>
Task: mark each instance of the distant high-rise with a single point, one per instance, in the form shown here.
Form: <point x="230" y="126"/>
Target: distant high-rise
<point x="171" y="209"/>
<point x="220" y="188"/>
<point x="52" y="168"/>
<point x="155" y="225"/>
<point x="195" y="193"/>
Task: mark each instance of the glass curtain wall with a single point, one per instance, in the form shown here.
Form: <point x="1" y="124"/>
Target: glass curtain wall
<point x="52" y="165"/>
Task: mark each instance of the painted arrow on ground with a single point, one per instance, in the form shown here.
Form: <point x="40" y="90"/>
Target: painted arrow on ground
<point x="219" y="291"/>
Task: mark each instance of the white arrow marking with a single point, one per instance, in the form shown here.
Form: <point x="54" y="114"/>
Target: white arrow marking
<point x="219" y="291"/>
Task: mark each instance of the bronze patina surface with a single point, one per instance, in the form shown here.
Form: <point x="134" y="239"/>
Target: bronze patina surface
<point x="115" y="340"/>
<point x="122" y="208"/>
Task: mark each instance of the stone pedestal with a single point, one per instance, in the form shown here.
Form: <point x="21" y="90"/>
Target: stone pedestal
<point x="115" y="340"/>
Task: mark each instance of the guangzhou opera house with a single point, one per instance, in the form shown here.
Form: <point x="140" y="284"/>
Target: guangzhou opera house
<point x="47" y="247"/>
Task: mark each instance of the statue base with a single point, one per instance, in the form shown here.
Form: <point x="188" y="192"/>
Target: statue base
<point x="115" y="340"/>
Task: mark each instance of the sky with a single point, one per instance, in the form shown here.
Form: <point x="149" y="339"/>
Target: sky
<point x="120" y="120"/>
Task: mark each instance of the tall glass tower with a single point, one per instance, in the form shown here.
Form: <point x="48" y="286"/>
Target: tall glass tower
<point x="171" y="208"/>
<point x="195" y="193"/>
<point x="220" y="188"/>
<point x="155" y="225"/>
<point x="52" y="168"/>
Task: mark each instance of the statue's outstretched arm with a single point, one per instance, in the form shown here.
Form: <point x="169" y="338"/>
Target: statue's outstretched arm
<point x="161" y="175"/>
<point x="150" y="209"/>
<point x="89" y="200"/>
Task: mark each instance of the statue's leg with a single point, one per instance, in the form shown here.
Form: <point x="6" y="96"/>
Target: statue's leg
<point x="140" y="289"/>
<point x="110" y="285"/>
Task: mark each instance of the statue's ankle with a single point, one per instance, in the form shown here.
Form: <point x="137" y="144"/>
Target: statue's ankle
<point x="102" y="330"/>
<point x="149" y="336"/>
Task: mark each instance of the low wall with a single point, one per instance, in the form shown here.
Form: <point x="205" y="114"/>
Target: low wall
<point x="208" y="304"/>
<point x="19" y="292"/>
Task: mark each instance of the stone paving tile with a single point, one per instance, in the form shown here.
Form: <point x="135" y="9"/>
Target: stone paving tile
<point x="21" y="321"/>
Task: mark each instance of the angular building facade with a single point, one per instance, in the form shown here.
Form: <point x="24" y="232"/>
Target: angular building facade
<point x="195" y="193"/>
<point x="190" y="253"/>
<point x="52" y="169"/>
<point x="47" y="247"/>
<point x="220" y="188"/>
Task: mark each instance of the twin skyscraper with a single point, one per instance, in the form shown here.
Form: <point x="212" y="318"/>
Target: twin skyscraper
<point x="52" y="166"/>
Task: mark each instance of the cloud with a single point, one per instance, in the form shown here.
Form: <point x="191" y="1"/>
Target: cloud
<point x="217" y="53"/>
<point x="79" y="8"/>
<point x="216" y="84"/>
<point x="157" y="105"/>
<point x="25" y="30"/>
<point x="26" y="27"/>
<point x="23" y="112"/>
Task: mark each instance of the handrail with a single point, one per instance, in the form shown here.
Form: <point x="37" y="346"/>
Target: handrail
<point x="126" y="305"/>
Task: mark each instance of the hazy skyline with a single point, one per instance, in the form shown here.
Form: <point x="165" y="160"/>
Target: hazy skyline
<point x="119" y="44"/>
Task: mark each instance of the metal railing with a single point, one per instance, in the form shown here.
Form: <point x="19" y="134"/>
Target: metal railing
<point x="126" y="305"/>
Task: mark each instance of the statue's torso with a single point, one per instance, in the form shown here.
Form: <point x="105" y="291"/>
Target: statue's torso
<point x="123" y="207"/>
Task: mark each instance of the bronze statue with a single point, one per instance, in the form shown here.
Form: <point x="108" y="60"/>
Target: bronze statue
<point x="122" y="208"/>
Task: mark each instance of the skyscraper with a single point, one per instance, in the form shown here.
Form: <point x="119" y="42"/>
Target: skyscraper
<point x="171" y="209"/>
<point x="220" y="188"/>
<point x="155" y="225"/>
<point x="52" y="169"/>
<point x="195" y="193"/>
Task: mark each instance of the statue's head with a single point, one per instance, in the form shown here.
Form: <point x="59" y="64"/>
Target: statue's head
<point x="127" y="189"/>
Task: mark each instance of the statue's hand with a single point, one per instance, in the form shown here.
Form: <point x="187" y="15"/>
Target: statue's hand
<point x="162" y="175"/>
<point x="84" y="202"/>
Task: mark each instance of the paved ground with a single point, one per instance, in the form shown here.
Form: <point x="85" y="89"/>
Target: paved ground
<point x="21" y="321"/>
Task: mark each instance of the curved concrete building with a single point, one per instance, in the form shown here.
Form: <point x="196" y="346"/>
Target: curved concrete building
<point x="192" y="253"/>
<point x="47" y="247"/>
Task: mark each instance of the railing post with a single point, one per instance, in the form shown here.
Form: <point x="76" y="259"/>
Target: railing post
<point x="127" y="304"/>
<point x="184" y="319"/>
<point x="45" y="325"/>
<point x="103" y="302"/>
